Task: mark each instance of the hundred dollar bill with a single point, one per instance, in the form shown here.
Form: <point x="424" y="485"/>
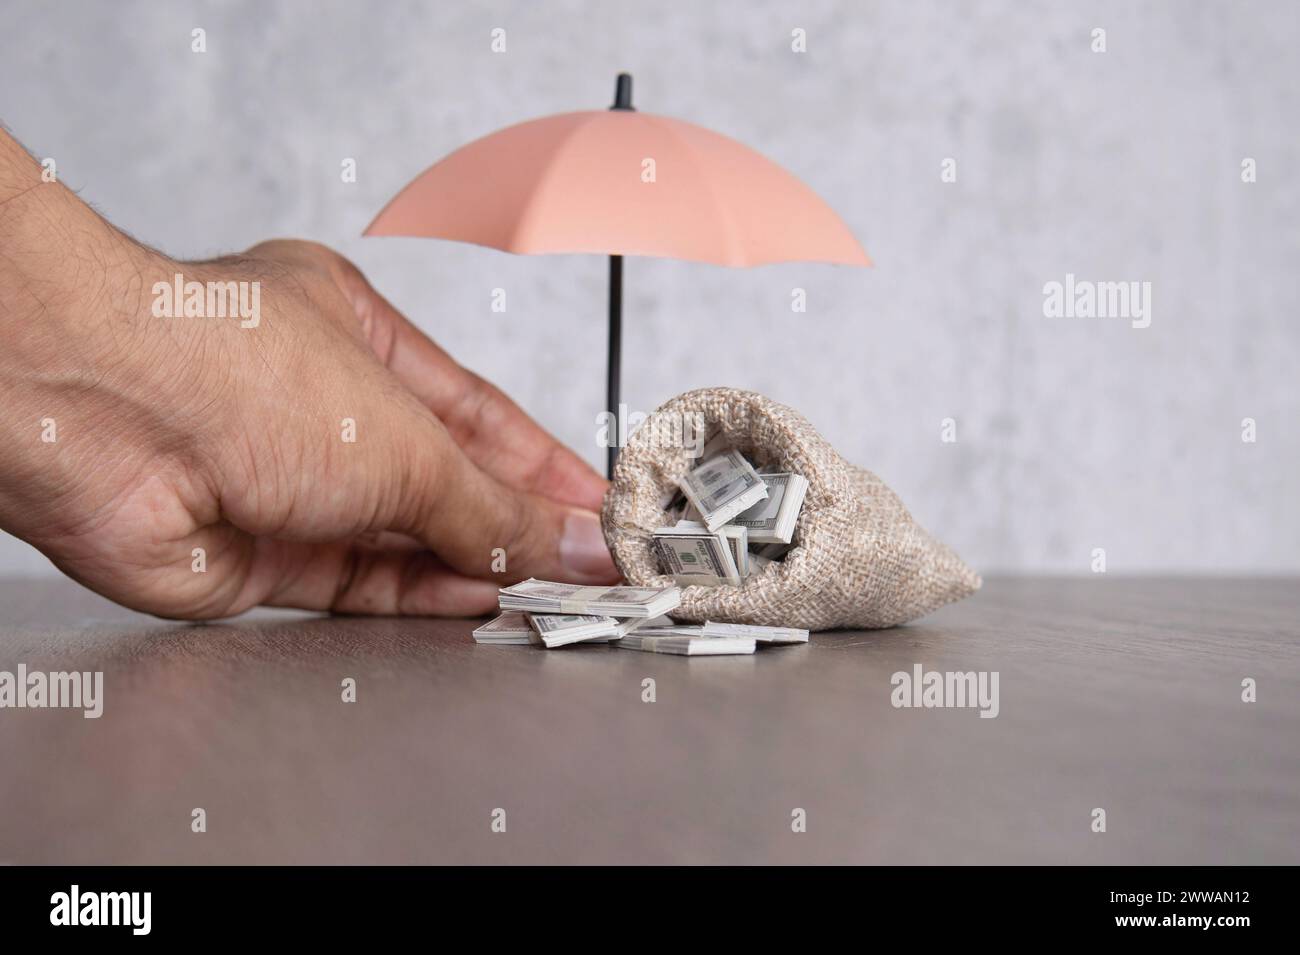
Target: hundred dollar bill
<point x="560" y="630"/>
<point x="544" y="596"/>
<point x="772" y="521"/>
<point x="509" y="629"/>
<point x="723" y="487"/>
<point x="696" y="556"/>
<point x="755" y="632"/>
<point x="737" y="538"/>
<point x="686" y="644"/>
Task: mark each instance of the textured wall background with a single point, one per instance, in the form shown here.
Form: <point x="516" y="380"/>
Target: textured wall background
<point x="1124" y="165"/>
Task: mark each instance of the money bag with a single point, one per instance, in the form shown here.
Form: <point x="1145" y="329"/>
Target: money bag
<point x="857" y="559"/>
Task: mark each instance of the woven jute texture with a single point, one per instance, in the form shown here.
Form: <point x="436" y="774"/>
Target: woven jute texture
<point x="860" y="559"/>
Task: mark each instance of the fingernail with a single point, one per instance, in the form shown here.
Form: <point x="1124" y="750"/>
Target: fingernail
<point x="582" y="548"/>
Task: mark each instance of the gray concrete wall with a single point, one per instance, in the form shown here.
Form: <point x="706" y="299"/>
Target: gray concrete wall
<point x="1071" y="433"/>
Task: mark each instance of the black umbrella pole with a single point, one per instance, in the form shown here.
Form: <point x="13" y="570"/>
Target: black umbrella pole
<point x="615" y="358"/>
<point x="622" y="101"/>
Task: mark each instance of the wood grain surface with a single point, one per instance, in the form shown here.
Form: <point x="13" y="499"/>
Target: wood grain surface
<point x="1122" y="694"/>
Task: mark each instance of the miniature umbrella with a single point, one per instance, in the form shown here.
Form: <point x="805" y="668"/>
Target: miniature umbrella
<point x="620" y="182"/>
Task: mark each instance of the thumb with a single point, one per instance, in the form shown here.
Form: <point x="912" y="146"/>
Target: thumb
<point x="482" y="527"/>
<point x="496" y="434"/>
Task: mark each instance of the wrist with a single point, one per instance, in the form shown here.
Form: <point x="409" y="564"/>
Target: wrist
<point x="64" y="266"/>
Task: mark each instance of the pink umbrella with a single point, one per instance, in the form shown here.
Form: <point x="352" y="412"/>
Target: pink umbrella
<point x="618" y="182"/>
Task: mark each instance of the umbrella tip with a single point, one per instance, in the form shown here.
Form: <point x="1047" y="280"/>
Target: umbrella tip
<point x="623" y="92"/>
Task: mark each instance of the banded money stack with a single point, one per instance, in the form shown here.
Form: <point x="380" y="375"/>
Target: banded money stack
<point x="732" y="521"/>
<point x="544" y="614"/>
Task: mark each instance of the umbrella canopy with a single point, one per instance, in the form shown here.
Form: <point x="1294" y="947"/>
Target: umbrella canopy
<point x="620" y="182"/>
<point x="581" y="182"/>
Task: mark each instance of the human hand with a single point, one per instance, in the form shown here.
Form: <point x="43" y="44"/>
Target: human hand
<point x="199" y="466"/>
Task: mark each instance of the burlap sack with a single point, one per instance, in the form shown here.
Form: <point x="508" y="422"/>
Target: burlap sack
<point x="859" y="559"/>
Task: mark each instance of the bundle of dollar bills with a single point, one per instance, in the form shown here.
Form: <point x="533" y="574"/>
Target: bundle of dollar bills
<point x="664" y="636"/>
<point x="734" y="521"/>
<point x="508" y="630"/>
<point x="562" y="629"/>
<point x="550" y="615"/>
<point x="687" y="645"/>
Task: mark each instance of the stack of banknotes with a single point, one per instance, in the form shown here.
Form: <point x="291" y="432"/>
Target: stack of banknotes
<point x="544" y="614"/>
<point x="733" y="521"/>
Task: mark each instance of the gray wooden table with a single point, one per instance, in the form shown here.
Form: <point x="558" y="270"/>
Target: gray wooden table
<point x="1119" y="694"/>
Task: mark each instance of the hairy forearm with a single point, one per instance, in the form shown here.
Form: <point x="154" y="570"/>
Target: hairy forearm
<point x="19" y="170"/>
<point x="69" y="319"/>
<point x="60" y="262"/>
